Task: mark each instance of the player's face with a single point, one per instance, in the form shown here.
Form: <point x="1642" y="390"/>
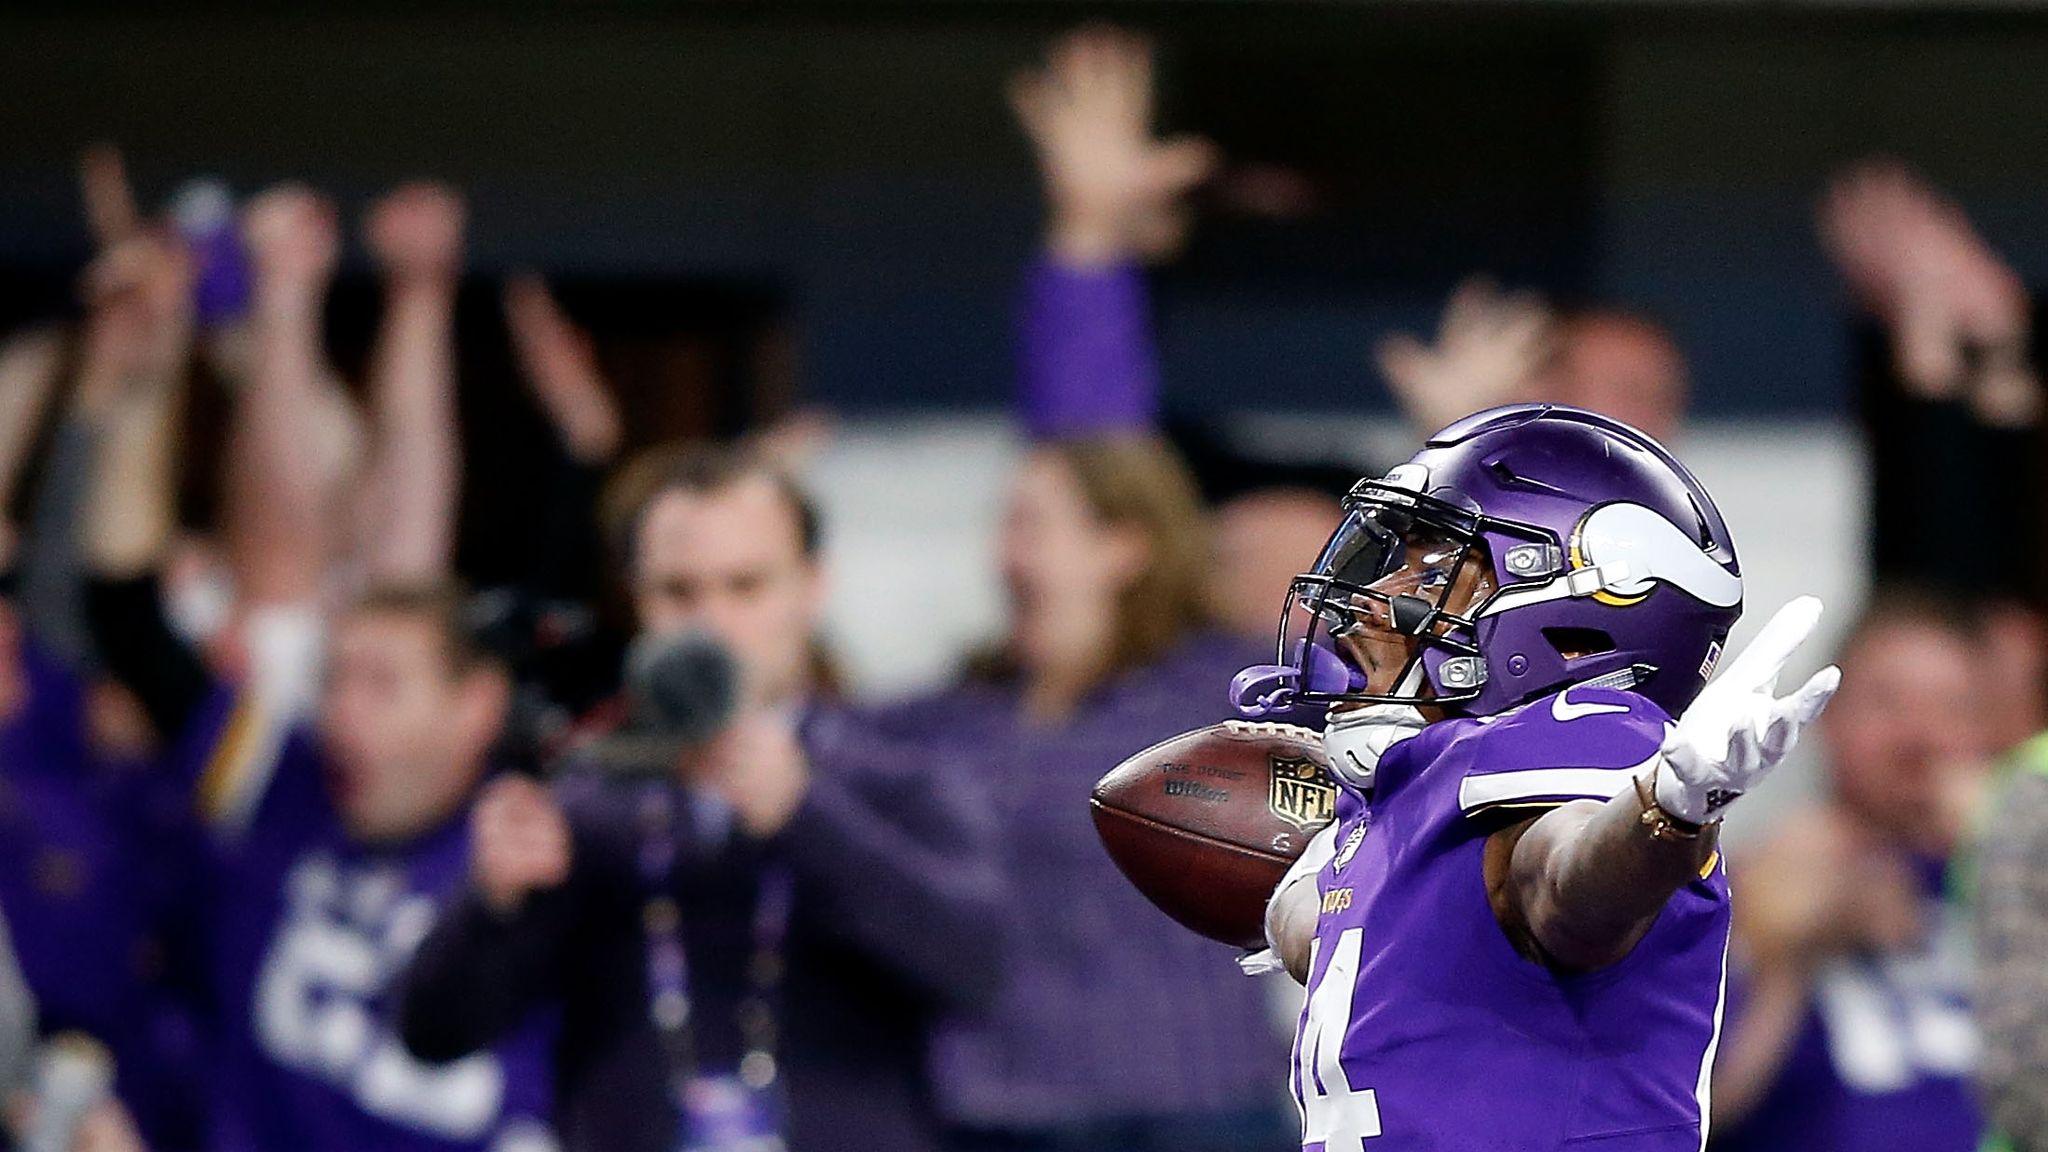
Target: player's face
<point x="405" y="735"/>
<point x="731" y="562"/>
<point x="1063" y="567"/>
<point x="1433" y="569"/>
<point x="1903" y="737"/>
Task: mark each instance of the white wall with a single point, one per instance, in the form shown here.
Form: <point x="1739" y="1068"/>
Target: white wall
<point x="911" y="509"/>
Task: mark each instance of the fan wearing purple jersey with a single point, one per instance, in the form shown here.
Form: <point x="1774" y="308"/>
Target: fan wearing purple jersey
<point x="328" y="781"/>
<point x="1514" y="934"/>
<point x="330" y="847"/>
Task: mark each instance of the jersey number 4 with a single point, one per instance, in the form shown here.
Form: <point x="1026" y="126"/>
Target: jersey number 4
<point x="1333" y="1114"/>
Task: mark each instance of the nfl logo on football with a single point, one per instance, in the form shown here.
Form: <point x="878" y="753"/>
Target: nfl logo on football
<point x="1301" y="795"/>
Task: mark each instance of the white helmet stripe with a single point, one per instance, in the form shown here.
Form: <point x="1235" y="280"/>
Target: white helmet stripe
<point x="1622" y="550"/>
<point x="1653" y="548"/>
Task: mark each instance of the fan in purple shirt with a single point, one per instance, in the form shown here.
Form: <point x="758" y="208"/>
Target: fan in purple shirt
<point x="329" y="844"/>
<point x="87" y="886"/>
<point x="89" y="875"/>
<point x="747" y="942"/>
<point x="61" y="869"/>
<point x="331" y="848"/>
<point x="1115" y="1027"/>
<point x="1513" y="936"/>
<point x="1116" y="197"/>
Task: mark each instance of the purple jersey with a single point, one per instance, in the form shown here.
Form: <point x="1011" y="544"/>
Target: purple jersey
<point x="62" y="879"/>
<point x="1424" y="1029"/>
<point x="310" y="931"/>
<point x="92" y="890"/>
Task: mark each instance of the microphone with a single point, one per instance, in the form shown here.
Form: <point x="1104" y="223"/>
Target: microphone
<point x="682" y="689"/>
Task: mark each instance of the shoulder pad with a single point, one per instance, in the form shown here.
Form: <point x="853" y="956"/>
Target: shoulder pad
<point x="1581" y="743"/>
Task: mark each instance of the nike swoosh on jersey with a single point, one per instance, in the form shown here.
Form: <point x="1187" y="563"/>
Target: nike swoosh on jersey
<point x="1563" y="710"/>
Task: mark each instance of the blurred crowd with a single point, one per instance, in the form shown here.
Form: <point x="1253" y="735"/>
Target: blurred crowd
<point x="305" y="844"/>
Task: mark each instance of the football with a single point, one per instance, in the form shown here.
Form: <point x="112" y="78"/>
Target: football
<point x="1206" y="823"/>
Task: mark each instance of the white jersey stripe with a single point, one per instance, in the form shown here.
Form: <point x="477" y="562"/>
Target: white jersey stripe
<point x="1704" y="1092"/>
<point x="1476" y="792"/>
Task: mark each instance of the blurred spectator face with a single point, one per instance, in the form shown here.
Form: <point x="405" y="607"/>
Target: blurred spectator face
<point x="1620" y="366"/>
<point x="406" y="732"/>
<point x="116" y="725"/>
<point x="1904" y="738"/>
<point x="731" y="561"/>
<point x="1263" y="541"/>
<point x="1063" y="566"/>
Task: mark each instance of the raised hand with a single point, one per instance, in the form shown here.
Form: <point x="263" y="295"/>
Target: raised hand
<point x="757" y="765"/>
<point x="110" y="212"/>
<point x="1114" y="190"/>
<point x="291" y="440"/>
<point x="1488" y="346"/>
<point x="1915" y="261"/>
<point x="1739" y="728"/>
<point x="561" y="368"/>
<point x="1821" y="887"/>
<point x="137" y="290"/>
<point x="293" y="243"/>
<point x="30" y="363"/>
<point x="519" y="842"/>
<point x="415" y="232"/>
<point x="139" y="335"/>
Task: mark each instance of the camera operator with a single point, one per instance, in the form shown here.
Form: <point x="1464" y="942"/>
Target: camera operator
<point x="749" y="960"/>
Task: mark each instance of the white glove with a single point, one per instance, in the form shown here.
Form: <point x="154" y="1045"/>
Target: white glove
<point x="1738" y="729"/>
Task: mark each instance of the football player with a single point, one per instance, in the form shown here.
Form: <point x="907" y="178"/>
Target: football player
<point x="1514" y="934"/>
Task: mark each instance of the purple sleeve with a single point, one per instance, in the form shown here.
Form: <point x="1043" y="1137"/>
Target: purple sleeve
<point x="1581" y="744"/>
<point x="892" y="846"/>
<point x="478" y="976"/>
<point x="1089" y="366"/>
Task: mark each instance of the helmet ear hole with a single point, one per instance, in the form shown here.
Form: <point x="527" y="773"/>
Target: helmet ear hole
<point x="1577" y="643"/>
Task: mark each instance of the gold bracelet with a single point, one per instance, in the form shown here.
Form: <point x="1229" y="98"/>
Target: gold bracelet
<point x="1663" y="825"/>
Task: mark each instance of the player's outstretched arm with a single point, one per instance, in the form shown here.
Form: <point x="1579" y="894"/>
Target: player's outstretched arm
<point x="1579" y="886"/>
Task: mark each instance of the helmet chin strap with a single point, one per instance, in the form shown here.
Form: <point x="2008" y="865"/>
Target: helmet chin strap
<point x="1355" y="740"/>
<point x="1412" y="680"/>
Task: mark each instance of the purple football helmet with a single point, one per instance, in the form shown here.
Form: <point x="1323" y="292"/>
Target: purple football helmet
<point x="1608" y="562"/>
